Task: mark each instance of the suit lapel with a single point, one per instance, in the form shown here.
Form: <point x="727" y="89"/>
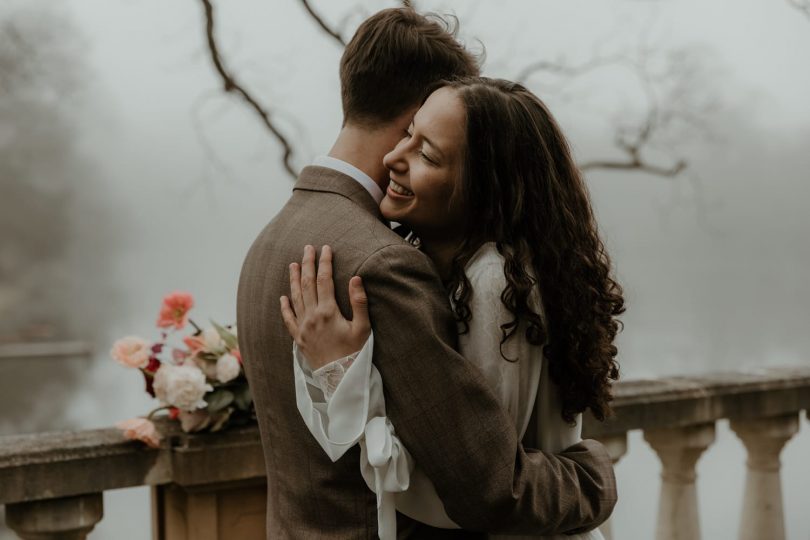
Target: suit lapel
<point x="326" y="180"/>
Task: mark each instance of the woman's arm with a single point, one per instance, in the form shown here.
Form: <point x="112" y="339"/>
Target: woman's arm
<point x="451" y="422"/>
<point x="342" y="404"/>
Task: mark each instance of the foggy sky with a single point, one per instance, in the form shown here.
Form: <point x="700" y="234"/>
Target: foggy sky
<point x="714" y="263"/>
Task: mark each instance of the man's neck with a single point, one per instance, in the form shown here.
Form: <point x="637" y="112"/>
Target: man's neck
<point x="364" y="149"/>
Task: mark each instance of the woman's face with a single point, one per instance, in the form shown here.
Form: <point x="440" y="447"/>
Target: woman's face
<point x="425" y="168"/>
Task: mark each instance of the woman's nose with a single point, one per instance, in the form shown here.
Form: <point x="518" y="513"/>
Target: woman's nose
<point x="394" y="161"/>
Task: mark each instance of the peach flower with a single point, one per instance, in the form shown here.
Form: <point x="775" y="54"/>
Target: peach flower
<point x="194" y="343"/>
<point x="131" y="351"/>
<point x="174" y="310"/>
<point x="140" y="429"/>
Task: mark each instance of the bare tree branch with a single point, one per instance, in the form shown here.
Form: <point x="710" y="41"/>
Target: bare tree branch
<point x="231" y="85"/>
<point x="801" y="5"/>
<point x="559" y="67"/>
<point x="635" y="163"/>
<point x="325" y="27"/>
<point x="672" y="105"/>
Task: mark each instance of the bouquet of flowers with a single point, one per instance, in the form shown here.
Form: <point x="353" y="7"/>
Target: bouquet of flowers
<point x="198" y="378"/>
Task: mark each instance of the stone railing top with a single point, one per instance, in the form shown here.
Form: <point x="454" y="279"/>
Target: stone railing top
<point x="50" y="465"/>
<point x="58" y="464"/>
<point x="682" y="401"/>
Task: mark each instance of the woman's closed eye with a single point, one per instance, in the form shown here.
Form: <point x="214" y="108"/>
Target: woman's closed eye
<point x="427" y="158"/>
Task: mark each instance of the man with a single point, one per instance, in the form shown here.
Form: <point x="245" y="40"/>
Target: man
<point x="441" y="407"/>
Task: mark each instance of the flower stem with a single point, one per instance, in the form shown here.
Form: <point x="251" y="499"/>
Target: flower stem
<point x="153" y="411"/>
<point x="199" y="330"/>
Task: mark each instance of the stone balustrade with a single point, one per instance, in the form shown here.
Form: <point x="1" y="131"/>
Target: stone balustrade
<point x="211" y="486"/>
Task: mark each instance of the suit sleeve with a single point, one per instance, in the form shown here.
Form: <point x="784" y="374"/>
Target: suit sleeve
<point x="452" y="424"/>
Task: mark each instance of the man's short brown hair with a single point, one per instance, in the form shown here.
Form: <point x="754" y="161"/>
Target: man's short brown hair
<point x="393" y="59"/>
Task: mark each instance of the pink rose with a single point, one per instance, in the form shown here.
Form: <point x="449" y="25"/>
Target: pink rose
<point x="174" y="310"/>
<point x="131" y="352"/>
<point x="140" y="429"/>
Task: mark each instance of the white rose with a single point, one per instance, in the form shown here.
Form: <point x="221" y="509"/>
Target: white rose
<point x="212" y="339"/>
<point x="228" y="368"/>
<point x="181" y="386"/>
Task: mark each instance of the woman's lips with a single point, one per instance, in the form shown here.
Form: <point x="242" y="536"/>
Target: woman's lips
<point x="398" y="191"/>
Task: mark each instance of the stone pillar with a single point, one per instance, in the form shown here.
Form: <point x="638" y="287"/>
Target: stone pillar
<point x="616" y="446"/>
<point x="66" y="518"/>
<point x="679" y="450"/>
<point x="764" y="438"/>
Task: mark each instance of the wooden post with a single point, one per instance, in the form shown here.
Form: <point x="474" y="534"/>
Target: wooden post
<point x="210" y="512"/>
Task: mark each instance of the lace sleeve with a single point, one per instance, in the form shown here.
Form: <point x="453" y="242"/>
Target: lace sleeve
<point x="351" y="412"/>
<point x="328" y="377"/>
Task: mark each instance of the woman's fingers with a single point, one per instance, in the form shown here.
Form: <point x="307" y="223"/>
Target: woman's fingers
<point x="295" y="289"/>
<point x="308" y="290"/>
<point x="359" y="302"/>
<point x="289" y="317"/>
<point x="325" y="285"/>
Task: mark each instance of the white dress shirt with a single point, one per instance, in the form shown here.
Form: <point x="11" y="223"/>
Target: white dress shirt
<point x="350" y="170"/>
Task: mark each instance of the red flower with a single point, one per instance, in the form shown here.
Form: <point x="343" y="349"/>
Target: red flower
<point x="153" y="365"/>
<point x="174" y="310"/>
<point x="174" y="412"/>
<point x="148" y="379"/>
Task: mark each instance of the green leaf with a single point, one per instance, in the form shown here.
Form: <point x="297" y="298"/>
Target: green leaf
<point x="230" y="340"/>
<point x="219" y="399"/>
<point x="242" y="398"/>
<point x="221" y="419"/>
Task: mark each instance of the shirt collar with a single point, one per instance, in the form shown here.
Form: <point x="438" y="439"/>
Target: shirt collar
<point x="350" y="170"/>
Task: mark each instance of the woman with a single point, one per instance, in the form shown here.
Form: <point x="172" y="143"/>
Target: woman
<point x="485" y="180"/>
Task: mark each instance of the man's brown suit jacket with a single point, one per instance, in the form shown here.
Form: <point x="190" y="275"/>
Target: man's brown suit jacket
<point x="441" y="407"/>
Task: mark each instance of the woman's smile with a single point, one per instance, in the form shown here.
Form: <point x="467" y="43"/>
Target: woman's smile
<point x="398" y="191"/>
<point x="425" y="168"/>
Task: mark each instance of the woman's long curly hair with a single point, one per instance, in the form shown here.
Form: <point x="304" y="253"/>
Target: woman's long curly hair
<point x="521" y="189"/>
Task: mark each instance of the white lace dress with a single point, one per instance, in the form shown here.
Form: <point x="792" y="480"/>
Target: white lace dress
<point x="342" y="404"/>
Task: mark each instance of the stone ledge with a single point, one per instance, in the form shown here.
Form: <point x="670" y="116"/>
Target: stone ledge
<point x="58" y="464"/>
<point x="50" y="465"/>
<point x="683" y="401"/>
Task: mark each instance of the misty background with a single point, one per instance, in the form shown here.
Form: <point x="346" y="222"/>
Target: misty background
<point x="126" y="172"/>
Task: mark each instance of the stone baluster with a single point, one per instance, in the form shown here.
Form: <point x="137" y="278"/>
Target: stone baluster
<point x="616" y="446"/>
<point x="679" y="450"/>
<point x="65" y="518"/>
<point x="764" y="438"/>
